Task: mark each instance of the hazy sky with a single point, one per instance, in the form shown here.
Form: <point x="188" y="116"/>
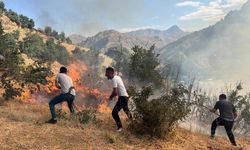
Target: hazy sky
<point x="87" y="17"/>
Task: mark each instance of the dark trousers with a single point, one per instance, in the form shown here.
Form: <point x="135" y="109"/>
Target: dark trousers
<point x="228" y="125"/>
<point x="59" y="99"/>
<point x="121" y="104"/>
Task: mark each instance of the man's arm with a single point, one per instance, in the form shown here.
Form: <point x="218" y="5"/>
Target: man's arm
<point x="57" y="84"/>
<point x="214" y="109"/>
<point x="113" y="94"/>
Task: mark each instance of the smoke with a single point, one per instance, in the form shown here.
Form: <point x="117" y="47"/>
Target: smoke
<point x="84" y="17"/>
<point x="228" y="51"/>
<point x="219" y="55"/>
<point x="46" y="19"/>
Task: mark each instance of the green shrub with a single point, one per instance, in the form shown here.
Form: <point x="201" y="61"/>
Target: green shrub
<point x="158" y="116"/>
<point x="86" y="116"/>
<point x="48" y="30"/>
<point x="13" y="16"/>
<point x="19" y="74"/>
<point x="2" y="6"/>
<point x="68" y="40"/>
<point x="82" y="117"/>
<point x="22" y="20"/>
<point x="144" y="66"/>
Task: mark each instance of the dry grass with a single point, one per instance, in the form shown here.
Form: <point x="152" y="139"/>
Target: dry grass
<point x="22" y="127"/>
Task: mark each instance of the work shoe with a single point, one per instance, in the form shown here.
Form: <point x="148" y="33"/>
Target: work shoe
<point x="119" y="130"/>
<point x="212" y="137"/>
<point x="52" y="121"/>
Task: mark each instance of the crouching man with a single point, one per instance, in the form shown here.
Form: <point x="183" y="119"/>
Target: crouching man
<point x="65" y="83"/>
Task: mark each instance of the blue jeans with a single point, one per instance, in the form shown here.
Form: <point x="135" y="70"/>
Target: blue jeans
<point x="59" y="99"/>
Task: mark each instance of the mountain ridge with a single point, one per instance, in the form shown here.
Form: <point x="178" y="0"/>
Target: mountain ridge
<point x="112" y="38"/>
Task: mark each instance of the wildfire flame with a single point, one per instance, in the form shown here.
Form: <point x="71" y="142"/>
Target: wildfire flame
<point x="76" y="71"/>
<point x="103" y="108"/>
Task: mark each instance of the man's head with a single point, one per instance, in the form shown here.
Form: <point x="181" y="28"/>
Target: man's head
<point x="110" y="72"/>
<point x="63" y="70"/>
<point x="2" y="59"/>
<point x="222" y="97"/>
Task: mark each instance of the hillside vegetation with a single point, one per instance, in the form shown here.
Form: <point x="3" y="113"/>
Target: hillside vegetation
<point x="33" y="57"/>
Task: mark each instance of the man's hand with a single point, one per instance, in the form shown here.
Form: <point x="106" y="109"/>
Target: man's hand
<point x="113" y="94"/>
<point x="110" y="98"/>
<point x="212" y="110"/>
<point x="57" y="84"/>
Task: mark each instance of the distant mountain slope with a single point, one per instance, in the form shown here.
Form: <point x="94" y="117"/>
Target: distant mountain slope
<point x="173" y="32"/>
<point x="112" y="38"/>
<point x="76" y="39"/>
<point x="220" y="51"/>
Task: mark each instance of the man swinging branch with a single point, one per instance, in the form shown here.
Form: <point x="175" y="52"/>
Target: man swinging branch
<point x="226" y="118"/>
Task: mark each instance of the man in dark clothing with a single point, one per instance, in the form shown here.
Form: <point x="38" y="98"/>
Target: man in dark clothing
<point x="65" y="83"/>
<point x="226" y="118"/>
<point x="120" y="90"/>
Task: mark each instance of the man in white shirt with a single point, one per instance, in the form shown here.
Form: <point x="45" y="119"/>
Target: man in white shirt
<point x="65" y="83"/>
<point x="118" y="90"/>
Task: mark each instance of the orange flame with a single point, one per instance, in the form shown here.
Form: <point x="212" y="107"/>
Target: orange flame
<point x="103" y="108"/>
<point x="76" y="71"/>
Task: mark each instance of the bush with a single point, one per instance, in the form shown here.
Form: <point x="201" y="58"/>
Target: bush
<point x="121" y="58"/>
<point x="144" y="65"/>
<point x="13" y="16"/>
<point x="2" y="6"/>
<point x="68" y="40"/>
<point x="48" y="31"/>
<point x="34" y="47"/>
<point x="85" y="116"/>
<point x="158" y="116"/>
<point x="31" y="24"/>
<point x="55" y="34"/>
<point x="82" y="117"/>
<point x="242" y="104"/>
<point x="62" y="36"/>
<point x="19" y="74"/>
<point x="22" y="20"/>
